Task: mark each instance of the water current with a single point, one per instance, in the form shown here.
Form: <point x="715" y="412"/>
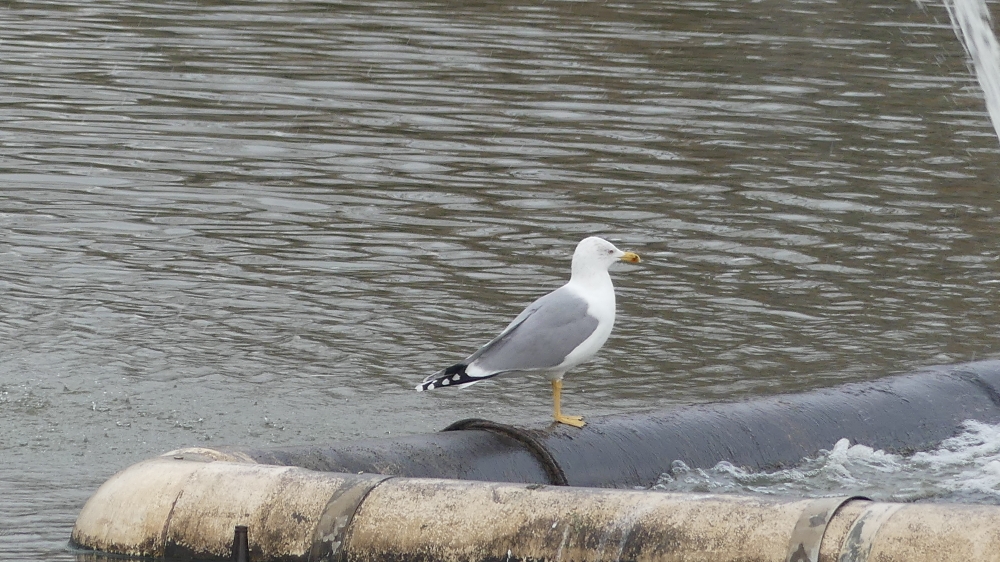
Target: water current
<point x="263" y="223"/>
<point x="965" y="468"/>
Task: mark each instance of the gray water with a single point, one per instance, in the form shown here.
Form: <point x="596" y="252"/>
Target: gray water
<point x="263" y="223"/>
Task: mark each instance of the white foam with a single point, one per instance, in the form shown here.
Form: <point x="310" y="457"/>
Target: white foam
<point x="964" y="468"/>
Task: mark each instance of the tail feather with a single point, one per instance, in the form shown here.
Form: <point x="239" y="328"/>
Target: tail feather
<point x="452" y="376"/>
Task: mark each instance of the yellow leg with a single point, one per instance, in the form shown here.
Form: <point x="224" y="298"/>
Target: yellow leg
<point x="575" y="421"/>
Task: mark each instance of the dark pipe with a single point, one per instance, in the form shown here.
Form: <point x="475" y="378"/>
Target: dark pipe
<point x="462" y="455"/>
<point x="241" y="545"/>
<point x="900" y="414"/>
<point x="530" y="440"/>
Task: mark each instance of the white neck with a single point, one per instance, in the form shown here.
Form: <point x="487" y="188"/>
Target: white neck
<point x="593" y="283"/>
<point x="593" y="277"/>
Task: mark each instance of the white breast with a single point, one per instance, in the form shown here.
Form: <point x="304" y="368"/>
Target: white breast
<point x="600" y="296"/>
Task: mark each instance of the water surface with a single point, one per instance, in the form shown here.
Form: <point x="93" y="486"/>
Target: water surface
<point x="264" y="223"/>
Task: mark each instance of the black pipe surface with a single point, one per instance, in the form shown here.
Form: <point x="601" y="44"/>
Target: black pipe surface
<point x="241" y="544"/>
<point x="903" y="413"/>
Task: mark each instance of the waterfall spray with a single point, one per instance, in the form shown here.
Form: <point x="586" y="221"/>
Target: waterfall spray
<point x="972" y="23"/>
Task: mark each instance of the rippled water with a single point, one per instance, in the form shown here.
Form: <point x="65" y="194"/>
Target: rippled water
<point x="264" y="223"/>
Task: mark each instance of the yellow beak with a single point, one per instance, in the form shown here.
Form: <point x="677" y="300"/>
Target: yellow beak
<point x="631" y="257"/>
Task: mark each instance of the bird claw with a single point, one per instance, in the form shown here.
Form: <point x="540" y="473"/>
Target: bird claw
<point x="575" y="421"/>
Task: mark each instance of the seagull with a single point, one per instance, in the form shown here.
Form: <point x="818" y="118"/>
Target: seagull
<point x="554" y="334"/>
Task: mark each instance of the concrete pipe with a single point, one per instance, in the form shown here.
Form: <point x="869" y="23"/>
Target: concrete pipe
<point x="189" y="509"/>
<point x="901" y="414"/>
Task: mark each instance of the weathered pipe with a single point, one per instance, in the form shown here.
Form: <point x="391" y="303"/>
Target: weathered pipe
<point x="900" y="414"/>
<point x="187" y="509"/>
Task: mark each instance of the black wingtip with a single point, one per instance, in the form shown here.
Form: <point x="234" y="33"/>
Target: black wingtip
<point x="452" y="376"/>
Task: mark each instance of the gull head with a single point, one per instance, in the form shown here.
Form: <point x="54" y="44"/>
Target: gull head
<point x="597" y="254"/>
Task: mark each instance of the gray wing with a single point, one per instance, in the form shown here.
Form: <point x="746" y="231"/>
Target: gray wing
<point x="540" y="337"/>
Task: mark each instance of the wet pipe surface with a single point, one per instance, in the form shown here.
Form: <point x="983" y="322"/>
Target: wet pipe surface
<point x="901" y="413"/>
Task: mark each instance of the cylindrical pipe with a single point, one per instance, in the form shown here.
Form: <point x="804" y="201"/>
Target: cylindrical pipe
<point x="900" y="413"/>
<point x="294" y="514"/>
<point x="186" y="508"/>
<point x="464" y="455"/>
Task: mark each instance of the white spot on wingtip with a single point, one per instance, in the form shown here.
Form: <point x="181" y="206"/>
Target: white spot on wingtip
<point x="445" y="382"/>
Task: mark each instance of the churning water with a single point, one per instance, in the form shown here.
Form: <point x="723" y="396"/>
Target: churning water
<point x="964" y="468"/>
<point x="263" y="223"/>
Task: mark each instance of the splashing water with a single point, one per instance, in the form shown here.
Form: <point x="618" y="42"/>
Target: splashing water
<point x="972" y="23"/>
<point x="964" y="468"/>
